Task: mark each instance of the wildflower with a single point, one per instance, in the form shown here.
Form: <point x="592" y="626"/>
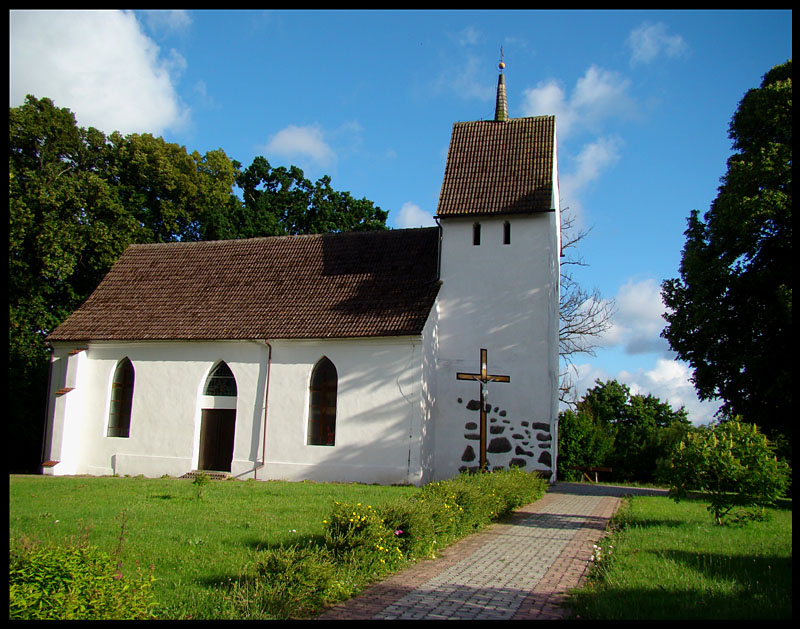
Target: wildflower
<point x="398" y="532"/>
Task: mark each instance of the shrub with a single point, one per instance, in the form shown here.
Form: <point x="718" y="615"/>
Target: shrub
<point x="411" y="522"/>
<point x="734" y="464"/>
<point x="363" y="543"/>
<point x="76" y="582"/>
<point x="581" y="442"/>
<point x="289" y="582"/>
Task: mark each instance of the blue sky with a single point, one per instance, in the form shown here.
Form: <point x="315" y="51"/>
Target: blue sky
<point x="642" y="101"/>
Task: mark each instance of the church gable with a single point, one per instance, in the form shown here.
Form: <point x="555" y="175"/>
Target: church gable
<point x="361" y="284"/>
<point x="499" y="168"/>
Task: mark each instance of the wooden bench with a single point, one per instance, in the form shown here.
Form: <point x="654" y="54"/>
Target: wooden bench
<point x="584" y="469"/>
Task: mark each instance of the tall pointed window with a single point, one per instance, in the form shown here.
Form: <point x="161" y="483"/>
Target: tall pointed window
<point x="221" y="381"/>
<point x="322" y="404"/>
<point x="119" y="414"/>
<point x="218" y="420"/>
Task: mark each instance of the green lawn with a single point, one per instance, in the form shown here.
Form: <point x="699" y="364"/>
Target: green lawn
<point x="670" y="561"/>
<point x="197" y="546"/>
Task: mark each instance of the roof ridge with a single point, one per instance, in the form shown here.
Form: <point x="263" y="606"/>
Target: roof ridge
<point x="278" y="237"/>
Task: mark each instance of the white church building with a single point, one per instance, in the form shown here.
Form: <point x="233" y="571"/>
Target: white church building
<point x="395" y="356"/>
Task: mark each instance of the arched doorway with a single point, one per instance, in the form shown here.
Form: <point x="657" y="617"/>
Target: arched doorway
<point x="218" y="420"/>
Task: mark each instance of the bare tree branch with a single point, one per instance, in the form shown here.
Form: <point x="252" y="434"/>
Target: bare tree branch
<point x="584" y="316"/>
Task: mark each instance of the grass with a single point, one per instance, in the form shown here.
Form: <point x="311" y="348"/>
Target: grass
<point x="670" y="561"/>
<point x="243" y="550"/>
<point x="197" y="546"/>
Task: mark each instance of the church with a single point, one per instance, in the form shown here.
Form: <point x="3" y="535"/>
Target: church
<point x="395" y="357"/>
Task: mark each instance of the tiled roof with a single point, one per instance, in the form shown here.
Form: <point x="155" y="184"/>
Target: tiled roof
<point x="359" y="284"/>
<point x="499" y="167"/>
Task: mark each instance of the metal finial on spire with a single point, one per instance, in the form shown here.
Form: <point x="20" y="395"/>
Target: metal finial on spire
<point x="501" y="107"/>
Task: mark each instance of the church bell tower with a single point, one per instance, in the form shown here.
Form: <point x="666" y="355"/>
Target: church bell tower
<point x="497" y="326"/>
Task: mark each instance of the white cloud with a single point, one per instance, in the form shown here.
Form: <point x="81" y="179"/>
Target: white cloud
<point x="466" y="78"/>
<point x="468" y="36"/>
<point x="649" y="41"/>
<point x="597" y="96"/>
<point x="411" y="215"/>
<point x="636" y="330"/>
<point x="668" y="380"/>
<point x="98" y="64"/>
<point x="168" y="20"/>
<point x="307" y="142"/>
<point x="637" y="321"/>
<point x="593" y="159"/>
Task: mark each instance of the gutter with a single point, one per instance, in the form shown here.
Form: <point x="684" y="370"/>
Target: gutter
<point x="266" y="407"/>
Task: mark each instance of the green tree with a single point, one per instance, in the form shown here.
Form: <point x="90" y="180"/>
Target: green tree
<point x="66" y="227"/>
<point x="582" y="442"/>
<point x="642" y="428"/>
<point x="729" y="313"/>
<point x="77" y="199"/>
<point x="171" y="193"/>
<point x="281" y="201"/>
<point x="733" y="464"/>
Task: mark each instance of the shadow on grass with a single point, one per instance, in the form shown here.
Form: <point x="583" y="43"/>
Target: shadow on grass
<point x="659" y="603"/>
<point x="757" y="571"/>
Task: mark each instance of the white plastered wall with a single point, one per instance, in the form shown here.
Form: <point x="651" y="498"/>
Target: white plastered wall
<point x="503" y="298"/>
<point x="380" y="409"/>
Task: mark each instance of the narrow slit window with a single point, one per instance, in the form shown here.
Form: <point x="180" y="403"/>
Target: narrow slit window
<point x="322" y="404"/>
<point x="476" y="234"/>
<point x="506" y="233"/>
<point x="119" y="414"/>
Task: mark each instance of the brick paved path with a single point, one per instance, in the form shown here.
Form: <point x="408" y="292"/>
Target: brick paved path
<point x="521" y="569"/>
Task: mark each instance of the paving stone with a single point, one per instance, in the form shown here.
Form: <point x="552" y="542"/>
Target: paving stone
<point x="521" y="569"/>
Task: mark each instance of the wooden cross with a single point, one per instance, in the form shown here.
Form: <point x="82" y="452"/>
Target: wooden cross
<point x="484" y="378"/>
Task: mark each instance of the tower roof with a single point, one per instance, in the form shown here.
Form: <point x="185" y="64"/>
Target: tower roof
<point x="499" y="167"/>
<point x="501" y="104"/>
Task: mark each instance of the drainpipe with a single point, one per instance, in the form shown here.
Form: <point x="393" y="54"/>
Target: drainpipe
<point x="266" y="406"/>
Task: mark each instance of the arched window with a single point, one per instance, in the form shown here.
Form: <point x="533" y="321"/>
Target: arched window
<point x="119" y="414"/>
<point x="221" y="381"/>
<point x="322" y="404"/>
<point x="218" y="420"/>
<point x="476" y="234"/>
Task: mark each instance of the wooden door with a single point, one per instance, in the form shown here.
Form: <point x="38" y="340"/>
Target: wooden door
<point x="216" y="439"/>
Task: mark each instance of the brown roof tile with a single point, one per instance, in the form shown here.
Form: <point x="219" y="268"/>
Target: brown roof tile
<point x="359" y="284"/>
<point x="499" y="167"/>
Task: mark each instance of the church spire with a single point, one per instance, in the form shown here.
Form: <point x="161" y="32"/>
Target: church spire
<point x="501" y="107"/>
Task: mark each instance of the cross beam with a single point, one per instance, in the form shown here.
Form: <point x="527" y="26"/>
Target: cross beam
<point x="484" y="378"/>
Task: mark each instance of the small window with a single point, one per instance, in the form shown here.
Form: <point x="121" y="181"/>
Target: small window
<point x="322" y="404"/>
<point x="476" y="234"/>
<point x="506" y="233"/>
<point x="221" y="381"/>
<point x="119" y="415"/>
